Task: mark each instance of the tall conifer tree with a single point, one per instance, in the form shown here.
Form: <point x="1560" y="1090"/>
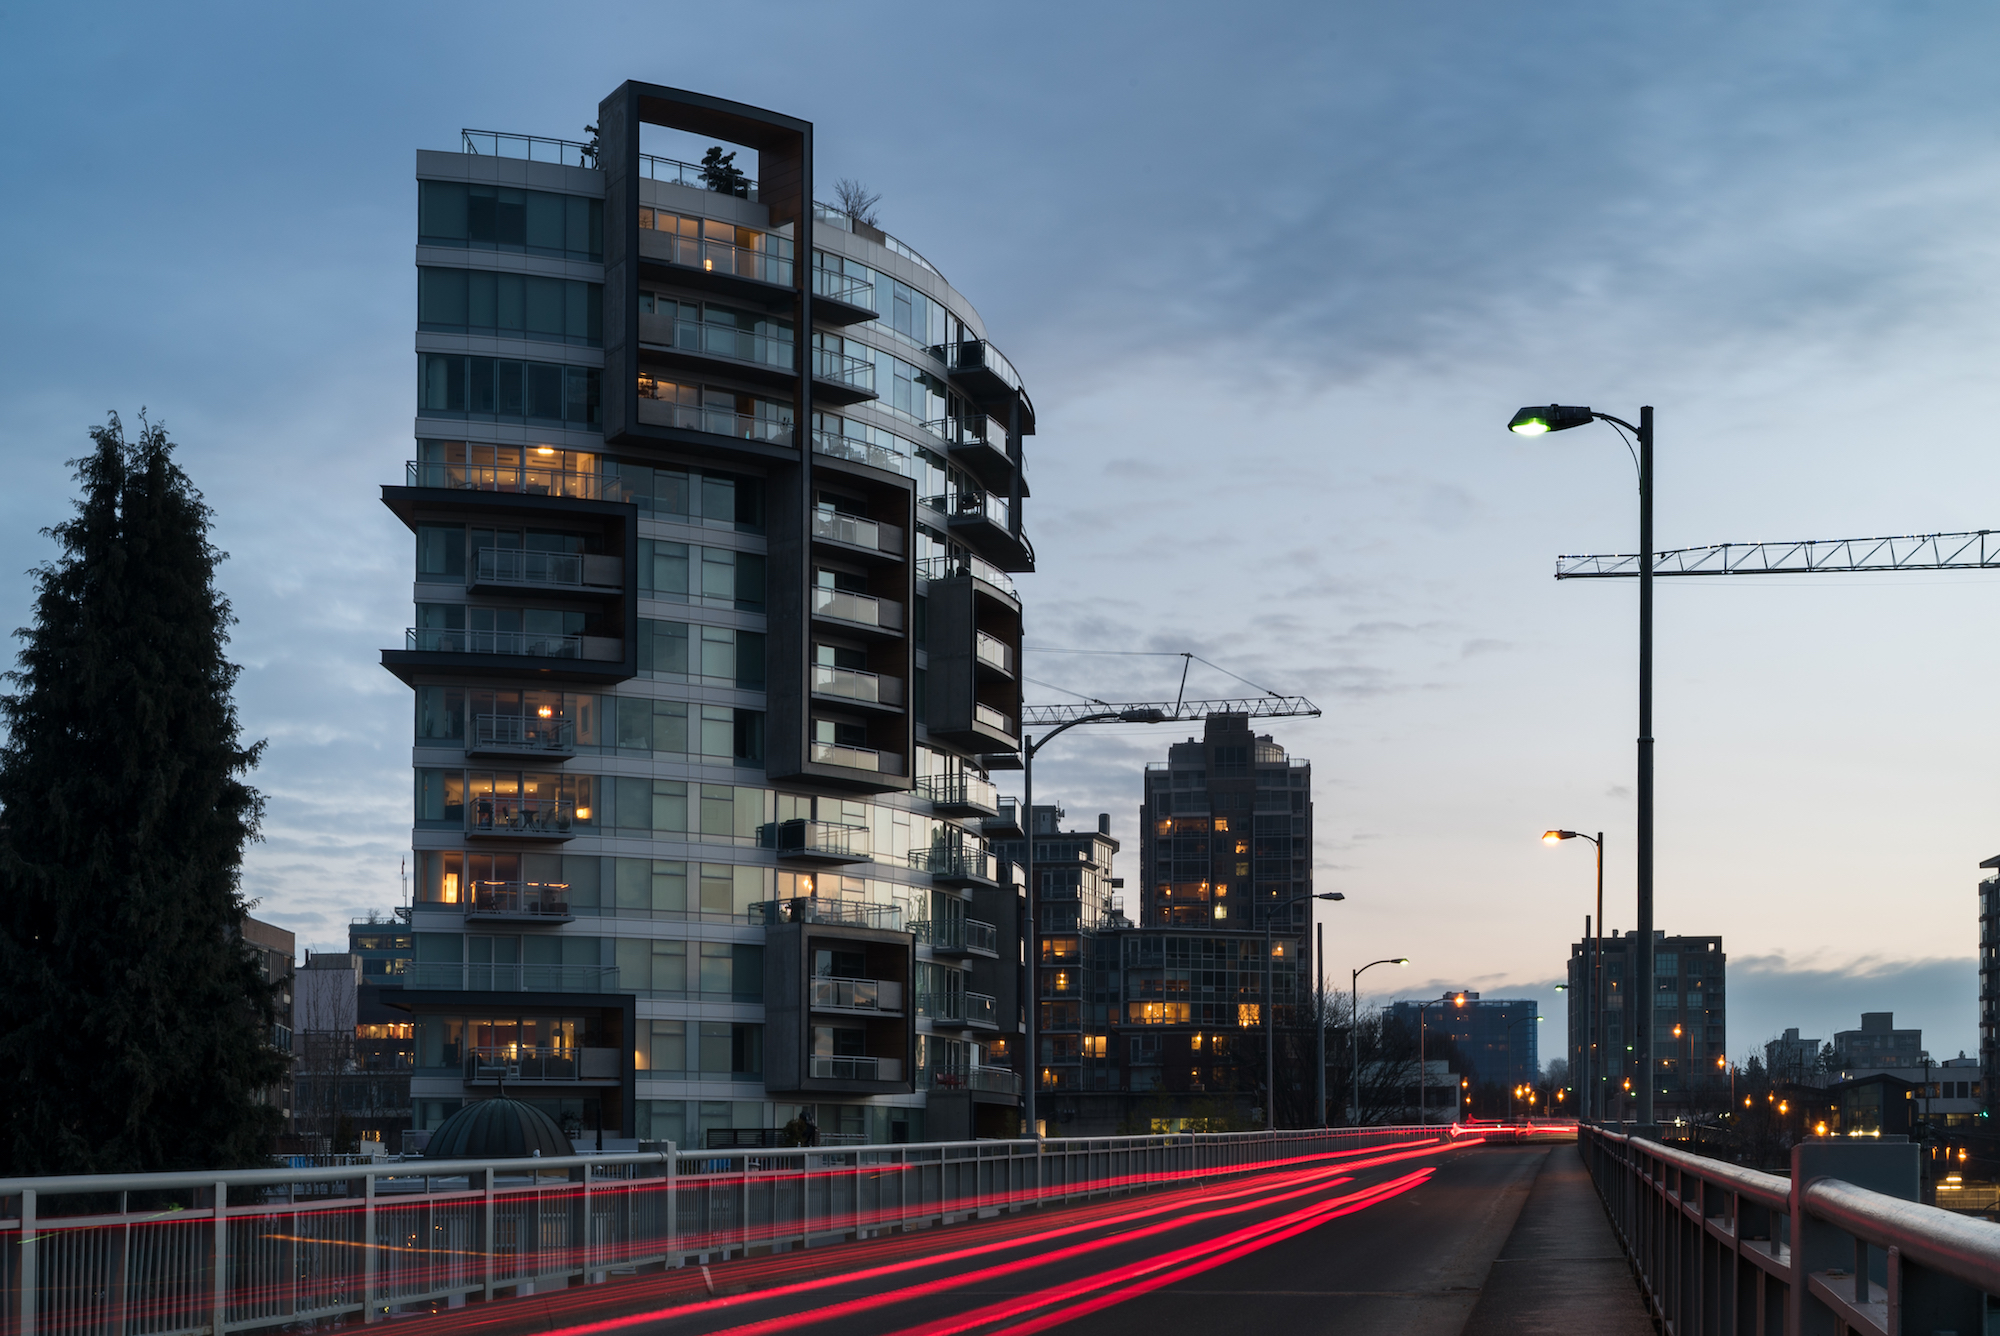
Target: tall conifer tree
<point x="134" y="1022"/>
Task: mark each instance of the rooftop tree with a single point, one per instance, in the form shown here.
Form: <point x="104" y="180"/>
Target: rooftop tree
<point x="134" y="1024"/>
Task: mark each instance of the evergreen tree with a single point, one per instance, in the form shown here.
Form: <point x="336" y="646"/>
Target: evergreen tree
<point x="134" y="1023"/>
<point x="719" y="172"/>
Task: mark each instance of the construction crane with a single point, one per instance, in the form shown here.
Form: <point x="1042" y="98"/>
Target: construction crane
<point x="1977" y="550"/>
<point x="1059" y="719"/>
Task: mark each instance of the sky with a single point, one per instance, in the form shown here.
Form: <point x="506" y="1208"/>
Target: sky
<point x="1276" y="275"/>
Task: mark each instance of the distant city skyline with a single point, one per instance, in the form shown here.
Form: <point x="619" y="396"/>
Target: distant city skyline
<point x="1274" y="331"/>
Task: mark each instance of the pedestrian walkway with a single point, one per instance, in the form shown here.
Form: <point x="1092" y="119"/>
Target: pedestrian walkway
<point x="1562" y="1269"/>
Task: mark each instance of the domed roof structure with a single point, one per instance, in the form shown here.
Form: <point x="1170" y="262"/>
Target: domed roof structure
<point x="497" y="1129"/>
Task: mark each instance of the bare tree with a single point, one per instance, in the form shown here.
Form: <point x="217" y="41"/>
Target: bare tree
<point x="856" y="200"/>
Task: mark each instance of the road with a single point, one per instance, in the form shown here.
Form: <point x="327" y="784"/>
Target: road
<point x="1388" y="1241"/>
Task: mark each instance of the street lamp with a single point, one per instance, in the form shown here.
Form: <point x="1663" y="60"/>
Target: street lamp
<point x="1539" y="421"/>
<point x="1029" y="748"/>
<point x="1593" y="993"/>
<point x="1354" y="1034"/>
<point x="1423" y="1067"/>
<point x="1271" y="1018"/>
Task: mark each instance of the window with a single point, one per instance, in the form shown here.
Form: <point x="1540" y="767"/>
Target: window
<point x="532" y="222"/>
<point x="499" y="389"/>
<point x="519" y="306"/>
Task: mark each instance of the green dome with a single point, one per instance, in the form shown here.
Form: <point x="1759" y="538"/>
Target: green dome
<point x="497" y="1129"/>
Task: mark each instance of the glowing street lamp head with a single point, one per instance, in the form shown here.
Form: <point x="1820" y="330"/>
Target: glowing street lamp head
<point x="1557" y="836"/>
<point x="1545" y="418"/>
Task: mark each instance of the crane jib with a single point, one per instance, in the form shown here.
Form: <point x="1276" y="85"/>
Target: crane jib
<point x="1978" y="549"/>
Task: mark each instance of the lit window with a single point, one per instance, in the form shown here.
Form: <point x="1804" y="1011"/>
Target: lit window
<point x="1246" y="1014"/>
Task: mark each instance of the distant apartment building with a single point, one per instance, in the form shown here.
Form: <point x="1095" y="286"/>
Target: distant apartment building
<point x="1989" y="982"/>
<point x="1791" y="1058"/>
<point x="1495" y="1037"/>
<point x="274" y="949"/>
<point x="1688" y="1012"/>
<point x="1878" y="1045"/>
<point x="714" y="502"/>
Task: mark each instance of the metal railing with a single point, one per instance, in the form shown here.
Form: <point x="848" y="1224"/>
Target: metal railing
<point x="981" y="1008"/>
<point x="812" y="909"/>
<point x="843" y="288"/>
<point x="966" y="563"/>
<point x="509" y="565"/>
<point x="535" y="148"/>
<point x="961" y="790"/>
<point x="107" y="1255"/>
<point x="856" y="685"/>
<point x="723" y="341"/>
<point x="857" y="532"/>
<point x="998" y="720"/>
<point x="837" y="994"/>
<point x="712" y="255"/>
<point x="518" y="900"/>
<point x="455" y="976"/>
<point x="525" y="732"/>
<point x="855" y="1068"/>
<point x="861" y="452"/>
<point x="829" y="839"/>
<point x="528" y="644"/>
<point x="531" y="1062"/>
<point x="956" y="861"/>
<point x="862" y="609"/>
<point x="1723" y="1249"/>
<point x="715" y="421"/>
<point x="529" y="817"/>
<point x="525" y="479"/>
<point x="855" y="372"/>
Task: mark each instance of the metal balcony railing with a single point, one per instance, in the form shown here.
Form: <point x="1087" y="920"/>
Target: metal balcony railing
<point x="715" y="421"/>
<point x="843" y="288"/>
<point x="524" y="480"/>
<point x="506" y="565"/>
<point x="980" y="1008"/>
<point x="941" y="1006"/>
<point x="837" y="994"/>
<point x="480" y="978"/>
<point x="981" y="936"/>
<point x="862" y="609"/>
<point x="524" y="732"/>
<point x="986" y="1080"/>
<point x="712" y="255"/>
<point x="993" y="652"/>
<point x="487" y="814"/>
<point x="956" y="862"/>
<point x="518" y="900"/>
<point x="854" y="372"/>
<point x="529" y="1063"/>
<point x="812" y="909"/>
<point x="825" y="838"/>
<point x="857" y="532"/>
<point x="526" y="644"/>
<point x="856" y="1069"/>
<point x="961" y="790"/>
<point x="724" y="341"/>
<point x="534" y="148"/>
<point x="861" y="452"/>
<point x="966" y="563"/>
<point x="856" y="685"/>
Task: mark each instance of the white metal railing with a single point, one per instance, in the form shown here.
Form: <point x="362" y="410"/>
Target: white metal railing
<point x="290" y="1247"/>
<point x="836" y="994"/>
<point x="1814" y="1252"/>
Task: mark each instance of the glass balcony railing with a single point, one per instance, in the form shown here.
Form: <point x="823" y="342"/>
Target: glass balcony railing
<point x="528" y="644"/>
<point x="824" y="839"/>
<point x="717" y="341"/>
<point x="993" y="652"/>
<point x="489" y="814"/>
<point x="844" y="288"/>
<point x="506" y="565"/>
<point x="855" y="685"/>
<point x="813" y="909"/>
<point x="986" y="1080"/>
<point x="523" y="732"/>
<point x="949" y="1007"/>
<point x="525" y="480"/>
<point x="712" y="256"/>
<point x="997" y="720"/>
<point x="961" y="790"/>
<point x="540" y="1062"/>
<point x="857" y="532"/>
<point x="856" y="1069"/>
<point x="456" y="977"/>
<point x="518" y="900"/>
<point x="856" y="373"/>
<point x="864" y="609"/>
<point x="973" y="355"/>
<point x="714" y="421"/>
<point x="958" y="862"/>
<point x="857" y="758"/>
<point x="965" y="563"/>
<point x="982" y="937"/>
<point x="861" y="452"/>
<point x="980" y="1009"/>
<point x="834" y="994"/>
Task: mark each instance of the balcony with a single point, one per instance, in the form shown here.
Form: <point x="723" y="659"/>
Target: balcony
<point x="840" y="379"/>
<point x="714" y="258"/>
<point x="521" y="735"/>
<point x="977" y="367"/>
<point x="851" y="531"/>
<point x="813" y="909"/>
<point x="459" y="978"/>
<point x="961" y="794"/>
<point x="965" y="937"/>
<point x="881" y="996"/>
<point x="857" y="758"/>
<point x="842" y="299"/>
<point x="967" y="563"/>
<point x="518" y="902"/>
<point x="1005" y="824"/>
<point x="980" y="1080"/>
<point x="714" y="421"/>
<point x="858" y="610"/>
<point x="980" y="447"/>
<point x="855" y="1069"/>
<point x="529" y="1064"/>
<point x="994" y="653"/>
<point x="760" y="356"/>
<point x="997" y="720"/>
<point x="516" y="480"/>
<point x="957" y="865"/>
<point x="859" y="452"/>
<point x="506" y="569"/>
<point x="861" y="688"/>
<point x="521" y="644"/>
<point x="958" y="1009"/>
<point x="490" y="816"/>
<point x="815" y="841"/>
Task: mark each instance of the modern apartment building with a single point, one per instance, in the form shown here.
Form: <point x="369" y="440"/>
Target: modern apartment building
<point x="715" y="497"/>
<point x="1495" y="1037"/>
<point x="1878" y="1045"/>
<point x="1688" y="1012"/>
<point x="1989" y="983"/>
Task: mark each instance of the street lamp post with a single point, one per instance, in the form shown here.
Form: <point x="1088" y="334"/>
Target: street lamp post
<point x="1423" y="1065"/>
<point x="1029" y="748"/>
<point x="1593" y="993"/>
<point x="1560" y="417"/>
<point x="1271" y="1013"/>
<point x="1354" y="1034"/>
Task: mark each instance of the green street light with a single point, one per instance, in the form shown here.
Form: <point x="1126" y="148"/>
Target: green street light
<point x="1541" y="420"/>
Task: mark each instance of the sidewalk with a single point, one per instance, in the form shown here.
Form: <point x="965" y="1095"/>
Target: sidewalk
<point x="1562" y="1269"/>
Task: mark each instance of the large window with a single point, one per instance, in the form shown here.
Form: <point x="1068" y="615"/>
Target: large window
<point x="717" y="655"/>
<point x="500" y="389"/>
<point x="711" y="576"/>
<point x="519" y="306"/>
<point x="534" y="222"/>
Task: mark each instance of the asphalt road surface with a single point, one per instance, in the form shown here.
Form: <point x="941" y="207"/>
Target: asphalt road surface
<point x="1379" y="1242"/>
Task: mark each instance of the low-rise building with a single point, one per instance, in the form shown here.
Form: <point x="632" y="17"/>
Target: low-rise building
<point x="1791" y="1058"/>
<point x="1495" y="1037"/>
<point x="1878" y="1045"/>
<point x="274" y="948"/>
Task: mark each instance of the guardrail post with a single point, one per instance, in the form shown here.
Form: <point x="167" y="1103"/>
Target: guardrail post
<point x="28" y="1273"/>
<point x="368" y="1309"/>
<point x="219" y="1272"/>
<point x="487" y="1241"/>
<point x="1887" y="1167"/>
